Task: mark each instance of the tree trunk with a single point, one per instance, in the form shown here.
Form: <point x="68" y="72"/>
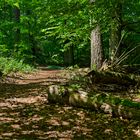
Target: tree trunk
<point x="96" y="49"/>
<point x="69" y="56"/>
<point x="17" y="20"/>
<point x="116" y="28"/>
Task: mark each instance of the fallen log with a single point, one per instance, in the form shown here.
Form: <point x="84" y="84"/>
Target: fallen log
<point x="100" y="102"/>
<point x="108" y="77"/>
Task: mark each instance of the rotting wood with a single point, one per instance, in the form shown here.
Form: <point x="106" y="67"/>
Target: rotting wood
<point x="108" y="77"/>
<point x="99" y="102"/>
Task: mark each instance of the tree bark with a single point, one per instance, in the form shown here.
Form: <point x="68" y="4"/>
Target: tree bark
<point x="108" y="77"/>
<point x="96" y="49"/>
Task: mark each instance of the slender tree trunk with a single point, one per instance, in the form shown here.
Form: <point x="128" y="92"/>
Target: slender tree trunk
<point x="96" y="49"/>
<point x="17" y="20"/>
<point x="116" y="28"/>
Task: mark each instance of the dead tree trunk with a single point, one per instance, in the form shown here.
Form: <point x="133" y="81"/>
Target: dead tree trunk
<point x="96" y="49"/>
<point x="99" y="102"/>
<point x="96" y="45"/>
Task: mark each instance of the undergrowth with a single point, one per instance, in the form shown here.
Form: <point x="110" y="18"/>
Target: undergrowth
<point x="8" y="65"/>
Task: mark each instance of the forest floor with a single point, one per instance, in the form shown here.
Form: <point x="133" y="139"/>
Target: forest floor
<point x="25" y="113"/>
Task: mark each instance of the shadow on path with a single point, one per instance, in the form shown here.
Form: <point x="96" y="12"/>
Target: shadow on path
<point x="25" y="114"/>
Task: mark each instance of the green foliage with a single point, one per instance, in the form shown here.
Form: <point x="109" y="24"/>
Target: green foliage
<point x="123" y="102"/>
<point x="75" y="87"/>
<point x="70" y="28"/>
<point x="8" y="65"/>
<point x="48" y="28"/>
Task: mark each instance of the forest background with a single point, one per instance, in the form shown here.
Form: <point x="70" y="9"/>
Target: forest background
<point x="66" y="32"/>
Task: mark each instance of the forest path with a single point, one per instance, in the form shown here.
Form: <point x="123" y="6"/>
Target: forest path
<point x="30" y="88"/>
<point x="41" y="76"/>
<point x="26" y="115"/>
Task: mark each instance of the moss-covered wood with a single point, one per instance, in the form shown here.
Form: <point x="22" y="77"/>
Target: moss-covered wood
<point x="100" y="102"/>
<point x="108" y="77"/>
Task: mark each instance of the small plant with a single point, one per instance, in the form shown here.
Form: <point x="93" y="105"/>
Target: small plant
<point x="94" y="67"/>
<point x="75" y="86"/>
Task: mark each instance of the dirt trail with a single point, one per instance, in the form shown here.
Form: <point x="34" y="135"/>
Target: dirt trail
<point x="39" y="77"/>
<point x="30" y="88"/>
<point x="26" y="115"/>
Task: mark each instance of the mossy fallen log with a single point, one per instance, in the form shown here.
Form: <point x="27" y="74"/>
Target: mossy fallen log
<point x="100" y="102"/>
<point x="108" y="77"/>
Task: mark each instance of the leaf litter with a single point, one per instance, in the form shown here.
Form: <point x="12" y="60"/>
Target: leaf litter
<point x="26" y="114"/>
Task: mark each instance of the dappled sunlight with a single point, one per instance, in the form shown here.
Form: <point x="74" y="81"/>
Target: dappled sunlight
<point x="6" y="119"/>
<point x="69" y="70"/>
<point x="28" y="100"/>
<point x="53" y="121"/>
<point x="26" y="114"/>
<point x="137" y="132"/>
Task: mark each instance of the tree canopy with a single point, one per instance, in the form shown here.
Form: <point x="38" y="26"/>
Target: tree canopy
<point x="43" y="31"/>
